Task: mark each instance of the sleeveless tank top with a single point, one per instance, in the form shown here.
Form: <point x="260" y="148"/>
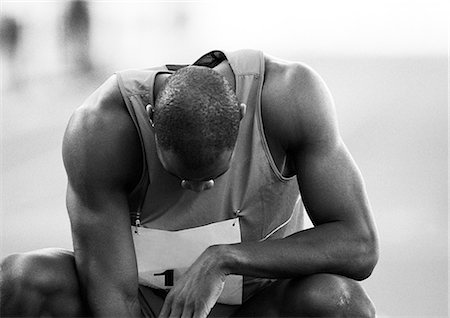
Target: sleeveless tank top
<point x="267" y="204"/>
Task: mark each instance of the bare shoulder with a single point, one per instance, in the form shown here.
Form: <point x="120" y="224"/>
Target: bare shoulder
<point x="101" y="145"/>
<point x="297" y="105"/>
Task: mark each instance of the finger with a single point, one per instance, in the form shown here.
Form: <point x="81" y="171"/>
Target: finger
<point x="201" y="311"/>
<point x="176" y="310"/>
<point x="165" y="310"/>
<point x="188" y="311"/>
<point x="200" y="314"/>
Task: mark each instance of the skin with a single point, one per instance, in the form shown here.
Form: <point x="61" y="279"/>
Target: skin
<point x="199" y="180"/>
<point x="306" y="144"/>
<point x="320" y="267"/>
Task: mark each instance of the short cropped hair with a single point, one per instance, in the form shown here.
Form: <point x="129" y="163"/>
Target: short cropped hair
<point x="196" y="116"/>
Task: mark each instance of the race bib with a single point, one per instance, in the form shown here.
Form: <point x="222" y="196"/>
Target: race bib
<point x="163" y="256"/>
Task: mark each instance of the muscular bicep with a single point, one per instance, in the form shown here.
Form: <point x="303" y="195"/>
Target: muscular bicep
<point x="331" y="185"/>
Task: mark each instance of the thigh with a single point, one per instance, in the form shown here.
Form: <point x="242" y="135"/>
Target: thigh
<point x="152" y="300"/>
<point x="320" y="295"/>
<point x="64" y="295"/>
<point x="265" y="302"/>
<point x="41" y="282"/>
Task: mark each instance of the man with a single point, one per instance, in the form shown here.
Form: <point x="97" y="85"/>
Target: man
<point x="218" y="159"/>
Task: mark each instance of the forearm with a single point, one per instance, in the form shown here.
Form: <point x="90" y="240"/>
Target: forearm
<point x="105" y="301"/>
<point x="328" y="248"/>
<point x="108" y="285"/>
<point x="104" y="255"/>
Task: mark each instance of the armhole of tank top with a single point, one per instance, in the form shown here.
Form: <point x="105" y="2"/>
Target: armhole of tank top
<point x="139" y="189"/>
<point x="262" y="134"/>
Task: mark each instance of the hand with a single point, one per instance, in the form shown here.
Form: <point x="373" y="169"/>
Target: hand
<point x="197" y="291"/>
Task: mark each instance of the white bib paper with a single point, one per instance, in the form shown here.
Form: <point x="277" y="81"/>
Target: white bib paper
<point x="163" y="256"/>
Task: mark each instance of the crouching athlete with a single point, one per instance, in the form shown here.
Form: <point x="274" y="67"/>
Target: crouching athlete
<point x="214" y="163"/>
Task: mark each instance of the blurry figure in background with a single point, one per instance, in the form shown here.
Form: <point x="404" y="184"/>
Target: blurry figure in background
<point x="10" y="35"/>
<point x="76" y="35"/>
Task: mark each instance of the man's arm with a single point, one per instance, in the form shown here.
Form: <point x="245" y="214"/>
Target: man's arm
<point x="100" y="160"/>
<point x="344" y="240"/>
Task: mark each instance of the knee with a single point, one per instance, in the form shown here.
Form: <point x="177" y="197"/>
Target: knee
<point x="326" y="295"/>
<point x="42" y="271"/>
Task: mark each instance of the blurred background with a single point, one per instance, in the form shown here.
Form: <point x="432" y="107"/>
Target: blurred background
<point x="385" y="62"/>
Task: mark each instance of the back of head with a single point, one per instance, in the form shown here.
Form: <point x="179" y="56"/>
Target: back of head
<point x="196" y="116"/>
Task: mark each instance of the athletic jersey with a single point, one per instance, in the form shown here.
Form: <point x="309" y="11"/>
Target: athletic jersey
<point x="266" y="204"/>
